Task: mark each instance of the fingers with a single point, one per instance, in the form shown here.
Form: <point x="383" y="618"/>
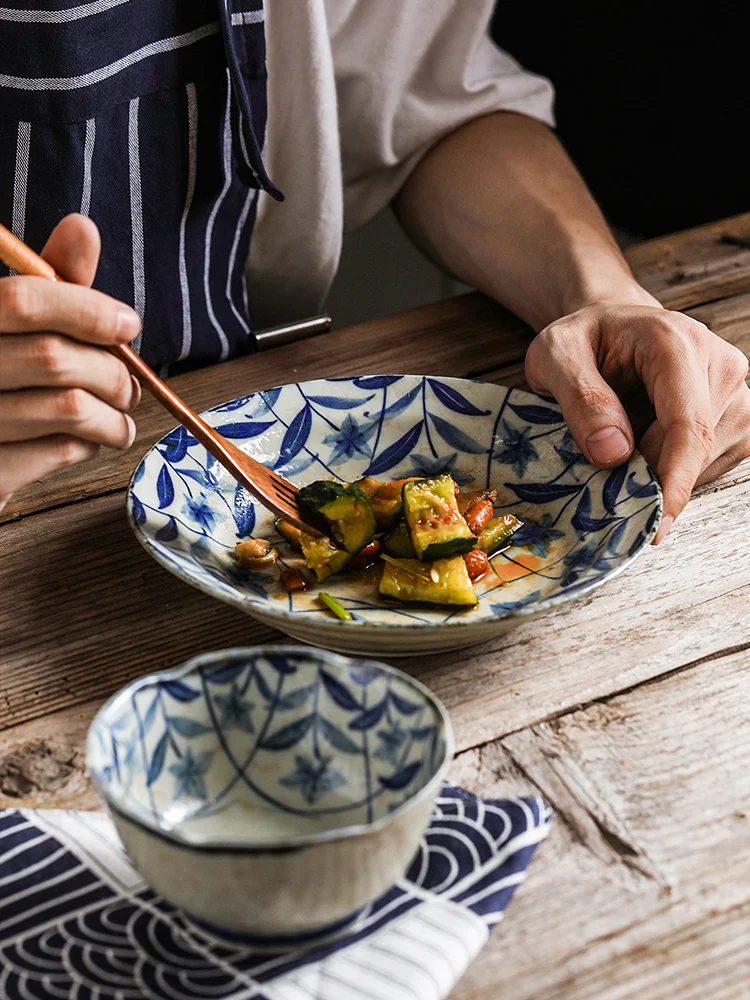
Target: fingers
<point x="29" y="305"/>
<point x="651" y="444"/>
<point x="36" y="413"/>
<point x="694" y="379"/>
<point x="28" y="461"/>
<point x="60" y="399"/>
<point x="561" y="362"/>
<point x="683" y="455"/>
<point x="73" y="249"/>
<point x="729" y="446"/>
<point x="46" y="359"/>
<point x="688" y="409"/>
<point x="732" y="438"/>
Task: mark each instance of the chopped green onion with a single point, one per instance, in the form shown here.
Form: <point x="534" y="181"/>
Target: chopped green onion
<point x="402" y="565"/>
<point x="338" y="609"/>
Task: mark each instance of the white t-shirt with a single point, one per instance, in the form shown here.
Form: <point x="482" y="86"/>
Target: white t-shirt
<point x="358" y="91"/>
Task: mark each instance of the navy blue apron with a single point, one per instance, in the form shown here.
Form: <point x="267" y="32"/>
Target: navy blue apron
<point x="149" y="117"/>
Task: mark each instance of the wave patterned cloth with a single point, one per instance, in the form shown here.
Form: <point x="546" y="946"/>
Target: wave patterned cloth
<point x="77" y="921"/>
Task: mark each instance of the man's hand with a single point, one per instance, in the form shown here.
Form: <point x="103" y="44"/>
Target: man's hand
<point x="499" y="203"/>
<point x="694" y="379"/>
<point x="61" y="395"/>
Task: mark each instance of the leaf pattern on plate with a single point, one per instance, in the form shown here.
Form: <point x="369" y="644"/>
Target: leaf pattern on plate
<point x="339" y="402"/>
<point x="243" y="511"/>
<point x="243" y="430"/>
<point x="396" y="452"/>
<point x="296" y="436"/>
<point x="190" y="513"/>
<point x="454" y="400"/>
<point x="457" y="438"/>
<point x="535" y="414"/>
<point x="164" y="488"/>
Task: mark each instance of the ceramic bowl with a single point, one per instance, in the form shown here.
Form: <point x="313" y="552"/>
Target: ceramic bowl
<point x="271" y="793"/>
<point x="582" y="525"/>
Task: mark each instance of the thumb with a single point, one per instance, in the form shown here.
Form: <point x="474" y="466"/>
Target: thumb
<point x="73" y="249"/>
<point x="595" y="416"/>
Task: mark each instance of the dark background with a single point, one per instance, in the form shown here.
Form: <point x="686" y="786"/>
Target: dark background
<point x="652" y="102"/>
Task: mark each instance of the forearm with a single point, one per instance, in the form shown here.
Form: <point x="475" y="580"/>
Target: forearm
<point x="501" y="206"/>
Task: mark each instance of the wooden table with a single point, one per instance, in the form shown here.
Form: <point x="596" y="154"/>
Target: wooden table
<point x="629" y="711"/>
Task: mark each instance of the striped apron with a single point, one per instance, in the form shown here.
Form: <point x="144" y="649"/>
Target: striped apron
<point x="149" y="117"/>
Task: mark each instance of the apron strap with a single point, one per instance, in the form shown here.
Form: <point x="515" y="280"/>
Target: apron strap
<point x="247" y="149"/>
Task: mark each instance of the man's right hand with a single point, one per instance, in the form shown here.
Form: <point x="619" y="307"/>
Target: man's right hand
<point x="61" y="395"/>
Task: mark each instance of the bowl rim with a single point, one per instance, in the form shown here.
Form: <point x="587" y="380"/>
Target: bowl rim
<point x="277" y="844"/>
<point x="269" y="613"/>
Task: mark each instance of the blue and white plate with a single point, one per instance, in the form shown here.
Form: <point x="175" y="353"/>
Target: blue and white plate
<point x="582" y="525"/>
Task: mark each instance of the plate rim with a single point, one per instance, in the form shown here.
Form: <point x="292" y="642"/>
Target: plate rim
<point x="245" y="602"/>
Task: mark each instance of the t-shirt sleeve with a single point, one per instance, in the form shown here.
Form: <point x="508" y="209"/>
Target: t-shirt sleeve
<point x="409" y="72"/>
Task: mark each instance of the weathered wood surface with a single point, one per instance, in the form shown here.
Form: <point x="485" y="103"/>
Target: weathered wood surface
<point x="697" y="265"/>
<point x="641" y="889"/>
<point x="681" y="603"/>
<point x="627" y="710"/>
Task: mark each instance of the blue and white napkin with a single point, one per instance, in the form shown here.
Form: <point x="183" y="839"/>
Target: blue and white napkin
<point x="77" y="921"/>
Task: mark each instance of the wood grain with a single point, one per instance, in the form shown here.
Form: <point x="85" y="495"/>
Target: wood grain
<point x="81" y="566"/>
<point x="108" y="612"/>
<point x="641" y="888"/>
<point x="627" y="710"/>
<point x="42" y="763"/>
<point x="645" y="868"/>
<point x="696" y="265"/>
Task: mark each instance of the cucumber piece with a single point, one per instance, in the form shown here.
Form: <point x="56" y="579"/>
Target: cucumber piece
<point x="323" y="556"/>
<point x="398" y="543"/>
<point x="288" y="532"/>
<point x="345" y="508"/>
<point x="436" y="527"/>
<point x="386" y="500"/>
<point x="497" y="533"/>
<point x="452" y="586"/>
<point x="369" y="486"/>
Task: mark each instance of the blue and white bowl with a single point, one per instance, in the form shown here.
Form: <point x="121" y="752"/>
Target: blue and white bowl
<point x="271" y="793"/>
<point x="583" y="525"/>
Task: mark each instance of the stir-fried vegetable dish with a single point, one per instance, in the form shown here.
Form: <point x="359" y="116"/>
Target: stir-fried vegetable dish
<point x="433" y="540"/>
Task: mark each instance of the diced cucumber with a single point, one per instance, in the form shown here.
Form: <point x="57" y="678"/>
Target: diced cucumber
<point x="452" y="586"/>
<point x="323" y="556"/>
<point x="431" y="513"/>
<point x="345" y="508"/>
<point x="398" y="543"/>
<point x="496" y="535"/>
<point x="386" y="500"/>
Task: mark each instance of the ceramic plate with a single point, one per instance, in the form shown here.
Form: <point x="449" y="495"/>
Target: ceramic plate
<point x="582" y="525"/>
